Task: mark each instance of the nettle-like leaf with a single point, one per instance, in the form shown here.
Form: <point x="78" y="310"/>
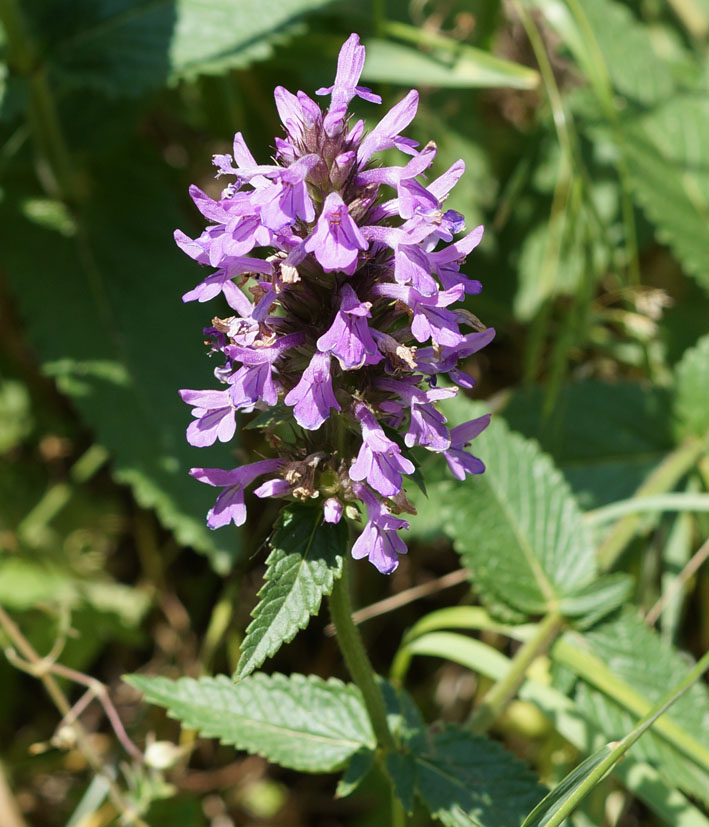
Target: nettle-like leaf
<point x="517" y="526"/>
<point x="463" y="779"/>
<point x="302" y="723"/>
<point x="306" y="558"/>
<point x="665" y="150"/>
<point x="466" y="780"/>
<point x="692" y="390"/>
<point x="127" y="47"/>
<point x="640" y="659"/>
<point x="605" y="436"/>
<point x="98" y="306"/>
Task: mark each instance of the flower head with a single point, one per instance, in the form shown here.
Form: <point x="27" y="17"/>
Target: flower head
<point x="341" y="276"/>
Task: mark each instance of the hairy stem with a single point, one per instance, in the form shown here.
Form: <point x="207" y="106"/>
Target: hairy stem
<point x="499" y="696"/>
<point x="358" y="664"/>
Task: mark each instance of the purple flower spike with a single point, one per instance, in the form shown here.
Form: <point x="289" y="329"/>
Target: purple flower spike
<point x="229" y="506"/>
<point x="459" y="461"/>
<point x="341" y="316"/>
<point x="313" y="397"/>
<point x="379" y="541"/>
<point x="349" y="338"/>
<point x="337" y="240"/>
<point x="379" y="460"/>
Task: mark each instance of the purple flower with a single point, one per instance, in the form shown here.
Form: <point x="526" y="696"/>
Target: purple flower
<point x="430" y="320"/>
<point x="221" y="282"/>
<point x="229" y="506"/>
<point x="412" y="196"/>
<point x="215" y="417"/>
<point x="349" y="337"/>
<point x="313" y="397"/>
<point x="337" y="240"/>
<point x="385" y="134"/>
<point x="332" y="510"/>
<point x="349" y="68"/>
<point x="379" y="460"/>
<point x="445" y="360"/>
<point x="458" y="460"/>
<point x="285" y="201"/>
<point x="379" y="541"/>
<point x="254" y="380"/>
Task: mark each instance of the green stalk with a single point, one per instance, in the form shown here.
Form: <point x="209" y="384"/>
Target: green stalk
<point x="499" y="696"/>
<point x="677" y="501"/>
<point x="663" y="479"/>
<point x="358" y="664"/>
<point x="23" y="57"/>
<point x="618" y="750"/>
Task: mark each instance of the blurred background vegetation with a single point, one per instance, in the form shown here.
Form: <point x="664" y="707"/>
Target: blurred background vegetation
<point x="585" y="130"/>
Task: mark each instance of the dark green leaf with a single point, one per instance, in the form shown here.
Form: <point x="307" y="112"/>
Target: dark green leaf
<point x="401" y="767"/>
<point x="303" y="723"/>
<point x="605" y="436"/>
<point x="127" y="47"/>
<point x="359" y="767"/>
<point x="102" y="311"/>
<point x="466" y="780"/>
<point x="305" y="560"/>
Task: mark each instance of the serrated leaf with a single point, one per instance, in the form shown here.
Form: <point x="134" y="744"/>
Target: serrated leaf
<point x="665" y="150"/>
<point x="466" y="780"/>
<point x="302" y="723"/>
<point x="210" y="38"/>
<point x="462" y="68"/>
<point x="401" y="768"/>
<point x="692" y="390"/>
<point x="359" y="767"/>
<point x="128" y="47"/>
<point x="637" y="656"/>
<point x="517" y="526"/>
<point x="95" y="308"/>
<point x="305" y="560"/>
<point x="605" y="436"/>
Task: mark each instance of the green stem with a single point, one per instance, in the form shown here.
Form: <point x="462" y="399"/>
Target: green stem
<point x="352" y="648"/>
<point x="618" y="750"/>
<point x="499" y="696"/>
<point x="23" y="57"/>
<point x="677" y="501"/>
<point x="663" y="479"/>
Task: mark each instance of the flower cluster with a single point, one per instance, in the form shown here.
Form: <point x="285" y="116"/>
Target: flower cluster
<point x="348" y="319"/>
